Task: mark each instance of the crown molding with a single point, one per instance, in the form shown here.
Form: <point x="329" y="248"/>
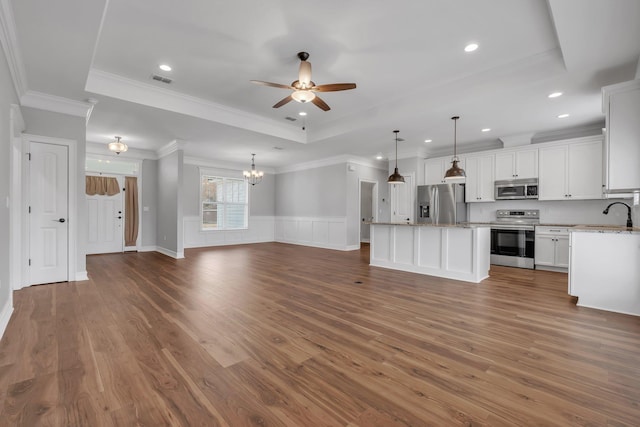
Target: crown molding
<point x="170" y="148"/>
<point x="12" y="52"/>
<point x="330" y="161"/>
<point x="216" y="164"/>
<point x="593" y="129"/>
<point x="102" y="149"/>
<point x="120" y="87"/>
<point x="57" y="104"/>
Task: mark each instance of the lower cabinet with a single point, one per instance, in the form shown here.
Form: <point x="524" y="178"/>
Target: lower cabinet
<point x="552" y="248"/>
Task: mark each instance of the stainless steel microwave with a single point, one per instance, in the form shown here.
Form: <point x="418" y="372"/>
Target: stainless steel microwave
<point x="517" y="189"/>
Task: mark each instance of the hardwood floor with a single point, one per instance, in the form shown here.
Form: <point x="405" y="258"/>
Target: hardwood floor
<point x="281" y="335"/>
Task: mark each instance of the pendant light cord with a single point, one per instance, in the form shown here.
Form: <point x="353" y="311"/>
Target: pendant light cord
<point x="455" y="136"/>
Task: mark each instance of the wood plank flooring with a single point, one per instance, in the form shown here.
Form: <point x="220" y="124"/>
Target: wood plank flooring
<point x="282" y="335"/>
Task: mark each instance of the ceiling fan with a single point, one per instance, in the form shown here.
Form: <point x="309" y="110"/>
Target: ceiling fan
<point x="304" y="90"/>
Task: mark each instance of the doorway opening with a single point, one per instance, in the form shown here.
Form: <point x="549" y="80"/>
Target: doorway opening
<point x="368" y="208"/>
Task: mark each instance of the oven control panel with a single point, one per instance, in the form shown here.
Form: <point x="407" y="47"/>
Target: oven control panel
<point x="532" y="214"/>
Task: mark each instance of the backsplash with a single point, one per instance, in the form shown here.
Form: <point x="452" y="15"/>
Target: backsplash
<point x="559" y="212"/>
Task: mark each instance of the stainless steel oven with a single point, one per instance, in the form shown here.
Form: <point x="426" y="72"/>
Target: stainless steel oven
<point x="513" y="238"/>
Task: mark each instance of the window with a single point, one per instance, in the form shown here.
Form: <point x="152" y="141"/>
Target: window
<point x="224" y="203"/>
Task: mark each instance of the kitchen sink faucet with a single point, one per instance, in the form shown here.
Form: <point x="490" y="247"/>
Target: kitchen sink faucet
<point x="629" y="221"/>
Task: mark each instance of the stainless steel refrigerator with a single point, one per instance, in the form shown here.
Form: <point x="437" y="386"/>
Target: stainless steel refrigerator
<point x="441" y="204"/>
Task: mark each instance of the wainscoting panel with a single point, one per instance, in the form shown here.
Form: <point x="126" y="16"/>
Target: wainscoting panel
<point x="261" y="229"/>
<point x="324" y="232"/>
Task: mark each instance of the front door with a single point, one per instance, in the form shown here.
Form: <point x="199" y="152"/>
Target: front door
<point x="48" y="218"/>
<point x="105" y="219"/>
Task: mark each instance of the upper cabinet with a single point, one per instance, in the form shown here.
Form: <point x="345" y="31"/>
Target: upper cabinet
<point x="571" y="171"/>
<point x="516" y="164"/>
<point x="480" y="181"/>
<point x="621" y="105"/>
<point x="434" y="169"/>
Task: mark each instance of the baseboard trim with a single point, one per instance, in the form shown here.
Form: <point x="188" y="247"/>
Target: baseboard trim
<point x="170" y="253"/>
<point x="5" y="316"/>
<point x="148" y="249"/>
<point x="81" y="276"/>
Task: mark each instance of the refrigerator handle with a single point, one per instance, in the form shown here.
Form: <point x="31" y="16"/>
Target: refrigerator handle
<point x="435" y="206"/>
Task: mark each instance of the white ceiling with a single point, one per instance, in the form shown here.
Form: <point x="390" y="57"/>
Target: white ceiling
<point x="406" y="57"/>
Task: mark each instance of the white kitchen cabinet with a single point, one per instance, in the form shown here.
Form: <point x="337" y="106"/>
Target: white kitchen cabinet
<point x="480" y="182"/>
<point x="435" y="168"/>
<point x="552" y="248"/>
<point x="604" y="272"/>
<point x="516" y="164"/>
<point x="621" y="105"/>
<point x="571" y="171"/>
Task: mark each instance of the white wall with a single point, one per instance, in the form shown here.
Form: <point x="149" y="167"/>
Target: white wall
<point x="555" y="212"/>
<point x="7" y="97"/>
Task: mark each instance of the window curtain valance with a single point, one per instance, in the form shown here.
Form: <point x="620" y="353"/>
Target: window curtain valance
<point x="101" y="185"/>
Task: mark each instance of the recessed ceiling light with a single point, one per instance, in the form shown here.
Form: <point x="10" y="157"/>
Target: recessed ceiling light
<point x="555" y="94"/>
<point x="379" y="157"/>
<point x="428" y="140"/>
<point x="563" y="116"/>
<point x="470" y="47"/>
<point x="165" y="67"/>
<point x="486" y="129"/>
<point x="302" y="113"/>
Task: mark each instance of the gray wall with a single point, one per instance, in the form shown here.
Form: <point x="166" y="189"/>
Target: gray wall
<point x="47" y="123"/>
<point x="149" y="199"/>
<point x="352" y="197"/>
<point x="7" y="97"/>
<point x="169" y="210"/>
<point x="261" y="196"/>
<point x="317" y="192"/>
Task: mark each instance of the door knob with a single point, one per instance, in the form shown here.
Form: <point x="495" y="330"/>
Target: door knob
<point x="119" y="217"/>
<point x="60" y="220"/>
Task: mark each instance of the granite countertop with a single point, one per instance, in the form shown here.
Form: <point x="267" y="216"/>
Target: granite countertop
<point x="413" y="224"/>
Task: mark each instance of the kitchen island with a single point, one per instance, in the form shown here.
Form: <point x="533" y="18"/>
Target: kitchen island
<point x="453" y="251"/>
<point x="604" y="268"/>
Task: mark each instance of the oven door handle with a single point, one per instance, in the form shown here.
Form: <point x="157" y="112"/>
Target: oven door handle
<point x="512" y="227"/>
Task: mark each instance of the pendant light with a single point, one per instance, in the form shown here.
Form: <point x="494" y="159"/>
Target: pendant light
<point x="455" y="172"/>
<point x="253" y="176"/>
<point x="118" y="146"/>
<point x="395" y="177"/>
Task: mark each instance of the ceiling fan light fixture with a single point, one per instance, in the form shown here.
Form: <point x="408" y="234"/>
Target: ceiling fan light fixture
<point x="303" y="96"/>
<point x="118" y="146"/>
<point x="455" y="172"/>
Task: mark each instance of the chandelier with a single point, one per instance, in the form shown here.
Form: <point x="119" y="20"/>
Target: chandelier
<point x="253" y="176"/>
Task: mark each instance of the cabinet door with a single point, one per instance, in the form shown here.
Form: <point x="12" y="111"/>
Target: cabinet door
<point x="545" y="249"/>
<point x="553" y="173"/>
<point x="434" y="171"/>
<point x="486" y="183"/>
<point x="480" y="182"/>
<point x="526" y="162"/>
<point x="505" y="163"/>
<point x="585" y="170"/>
<point x="472" y="170"/>
<point x="623" y="134"/>
<point x="562" y="251"/>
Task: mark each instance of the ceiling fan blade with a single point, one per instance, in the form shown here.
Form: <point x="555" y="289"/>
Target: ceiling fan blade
<point x="333" y="87"/>
<point x="283" y="101"/>
<point x="304" y="75"/>
<point x="320" y="103"/>
<point x="278" y="85"/>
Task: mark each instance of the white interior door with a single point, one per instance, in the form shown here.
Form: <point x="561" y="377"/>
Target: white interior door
<point x="105" y="222"/>
<point x="402" y="200"/>
<point x="49" y="207"/>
